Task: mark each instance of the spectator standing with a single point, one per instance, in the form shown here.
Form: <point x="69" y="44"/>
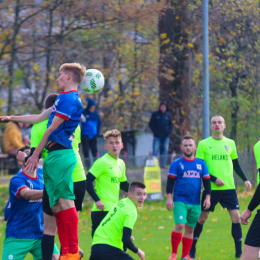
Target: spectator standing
<point x="91" y="126"/>
<point x="161" y="126"/>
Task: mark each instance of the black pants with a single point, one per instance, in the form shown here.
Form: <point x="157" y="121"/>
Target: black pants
<point x="103" y="251"/>
<point x="97" y="217"/>
<point x="89" y="144"/>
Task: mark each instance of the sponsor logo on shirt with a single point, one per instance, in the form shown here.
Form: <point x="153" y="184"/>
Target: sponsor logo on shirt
<point x="219" y="157"/>
<point x="56" y="102"/>
<point x="226" y="147"/>
<point x="39" y="200"/>
<point x="111" y="215"/>
<point x="191" y="174"/>
<point x="199" y="166"/>
<point x="115" y="180"/>
<point x="71" y="138"/>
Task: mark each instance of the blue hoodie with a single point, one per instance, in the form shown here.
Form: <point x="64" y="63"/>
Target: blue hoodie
<point x="92" y="126"/>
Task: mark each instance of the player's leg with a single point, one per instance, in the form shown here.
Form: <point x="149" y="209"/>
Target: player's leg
<point x="214" y="199"/>
<point x="180" y="219"/>
<point x="16" y="249"/>
<point x="229" y="200"/>
<point x="252" y="241"/>
<point x="96" y="218"/>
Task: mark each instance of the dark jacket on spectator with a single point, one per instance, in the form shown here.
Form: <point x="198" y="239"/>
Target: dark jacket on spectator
<point x="92" y="125"/>
<point x="161" y="123"/>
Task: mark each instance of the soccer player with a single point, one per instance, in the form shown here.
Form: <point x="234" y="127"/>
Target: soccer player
<point x="220" y="155"/>
<point x="24" y="227"/>
<point x="113" y="235"/>
<point x="108" y="172"/>
<point x="252" y="242"/>
<point x="185" y="176"/>
<point x="64" y="117"/>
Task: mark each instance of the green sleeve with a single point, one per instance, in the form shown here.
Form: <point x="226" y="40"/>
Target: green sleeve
<point x="257" y="154"/>
<point x="97" y="169"/>
<point x="130" y="218"/>
<point x="36" y="136"/>
<point x="200" y="152"/>
<point x="123" y="177"/>
<point x="233" y="154"/>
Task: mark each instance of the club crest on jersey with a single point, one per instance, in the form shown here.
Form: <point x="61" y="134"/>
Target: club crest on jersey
<point x="120" y="168"/>
<point x="56" y="102"/>
<point x="30" y="184"/>
<point x="182" y="166"/>
<point x="199" y="166"/>
<point x="71" y="138"/>
<point x="226" y="147"/>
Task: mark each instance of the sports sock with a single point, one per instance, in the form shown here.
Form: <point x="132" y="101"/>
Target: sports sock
<point x="71" y="221"/>
<point x="197" y="232"/>
<point x="186" y="245"/>
<point x="62" y="232"/>
<point x="237" y="235"/>
<point x="47" y="247"/>
<point x="176" y="239"/>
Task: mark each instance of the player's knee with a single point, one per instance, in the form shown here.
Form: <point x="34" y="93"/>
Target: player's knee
<point x="235" y="216"/>
<point x="203" y="217"/>
<point x="189" y="230"/>
<point x="179" y="227"/>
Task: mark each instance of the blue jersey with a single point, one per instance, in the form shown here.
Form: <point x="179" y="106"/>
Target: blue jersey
<point x="188" y="175"/>
<point x="25" y="218"/>
<point x="67" y="106"/>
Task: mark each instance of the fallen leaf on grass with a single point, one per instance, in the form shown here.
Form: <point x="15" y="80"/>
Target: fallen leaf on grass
<point x="161" y="227"/>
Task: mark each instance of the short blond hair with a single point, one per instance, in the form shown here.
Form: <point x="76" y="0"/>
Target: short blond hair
<point x="112" y="133"/>
<point x="78" y="71"/>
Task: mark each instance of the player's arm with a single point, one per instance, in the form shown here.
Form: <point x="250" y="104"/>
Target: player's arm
<point x="169" y="188"/>
<point x="127" y="241"/>
<point x="90" y="187"/>
<point x="29" y="194"/>
<point x="28" y="119"/>
<point x="32" y="162"/>
<point x="124" y="186"/>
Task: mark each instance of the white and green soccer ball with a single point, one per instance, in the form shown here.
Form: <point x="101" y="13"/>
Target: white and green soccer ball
<point x="93" y="82"/>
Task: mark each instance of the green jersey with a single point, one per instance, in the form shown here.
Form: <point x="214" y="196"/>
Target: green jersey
<point x="218" y="155"/>
<point x="37" y="133"/>
<point x="109" y="172"/>
<point x="257" y="158"/>
<point x="110" y="231"/>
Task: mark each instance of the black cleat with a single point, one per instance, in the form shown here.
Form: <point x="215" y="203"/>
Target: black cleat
<point x="192" y="255"/>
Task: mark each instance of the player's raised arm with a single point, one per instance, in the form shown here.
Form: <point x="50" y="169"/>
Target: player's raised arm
<point x="28" y="119"/>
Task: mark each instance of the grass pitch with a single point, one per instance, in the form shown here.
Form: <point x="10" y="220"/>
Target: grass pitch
<point x="153" y="229"/>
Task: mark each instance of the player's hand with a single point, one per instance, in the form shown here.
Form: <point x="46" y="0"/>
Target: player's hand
<point x="32" y="163"/>
<point x="100" y="205"/>
<point x="20" y="156"/>
<point x="245" y="216"/>
<point x="5" y="119"/>
<point x="206" y="203"/>
<point x="141" y="254"/>
<point x="169" y="204"/>
<point x="132" y="238"/>
<point x="248" y="185"/>
<point x="219" y="182"/>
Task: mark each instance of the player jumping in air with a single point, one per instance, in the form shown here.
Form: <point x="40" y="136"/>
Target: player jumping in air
<point x="185" y="176"/>
<point x="24" y="227"/>
<point x="113" y="235"/>
<point x="64" y="117"/>
<point x="108" y="172"/>
<point x="220" y="155"/>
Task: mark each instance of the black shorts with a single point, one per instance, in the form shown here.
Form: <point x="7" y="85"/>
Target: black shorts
<point x="79" y="191"/>
<point x="227" y="199"/>
<point x="253" y="234"/>
<point x="103" y="251"/>
<point x="97" y="217"/>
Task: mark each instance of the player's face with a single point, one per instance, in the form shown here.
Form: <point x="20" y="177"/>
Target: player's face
<point x="114" y="145"/>
<point x="217" y="124"/>
<point x="139" y="196"/>
<point x="25" y="153"/>
<point x="62" y="80"/>
<point x="188" y="147"/>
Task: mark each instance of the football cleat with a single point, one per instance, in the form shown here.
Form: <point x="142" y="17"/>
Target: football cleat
<point x="76" y="256"/>
<point x="187" y="257"/>
<point x="173" y="256"/>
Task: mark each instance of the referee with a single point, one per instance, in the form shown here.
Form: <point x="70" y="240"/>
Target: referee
<point x="220" y="156"/>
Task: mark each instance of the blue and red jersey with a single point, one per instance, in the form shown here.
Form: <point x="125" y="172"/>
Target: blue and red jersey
<point x="67" y="106"/>
<point x="188" y="175"/>
<point x="25" y="217"/>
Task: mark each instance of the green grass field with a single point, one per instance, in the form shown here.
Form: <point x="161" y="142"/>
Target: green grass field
<point x="153" y="228"/>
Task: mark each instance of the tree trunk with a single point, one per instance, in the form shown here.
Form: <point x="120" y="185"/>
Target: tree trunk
<point x="174" y="69"/>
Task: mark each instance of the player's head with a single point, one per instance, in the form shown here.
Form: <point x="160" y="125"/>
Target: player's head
<point x="49" y="100"/>
<point x="114" y="143"/>
<point x="137" y="193"/>
<point x="70" y="73"/>
<point x="188" y="145"/>
<point x="217" y="124"/>
<point x="24" y="149"/>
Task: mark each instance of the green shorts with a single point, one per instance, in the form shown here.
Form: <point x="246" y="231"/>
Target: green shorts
<point x="186" y="213"/>
<point x="57" y="175"/>
<point x="17" y="249"/>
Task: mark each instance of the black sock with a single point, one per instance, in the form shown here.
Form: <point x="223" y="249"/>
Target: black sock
<point x="47" y="247"/>
<point x="197" y="231"/>
<point x="237" y="235"/>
